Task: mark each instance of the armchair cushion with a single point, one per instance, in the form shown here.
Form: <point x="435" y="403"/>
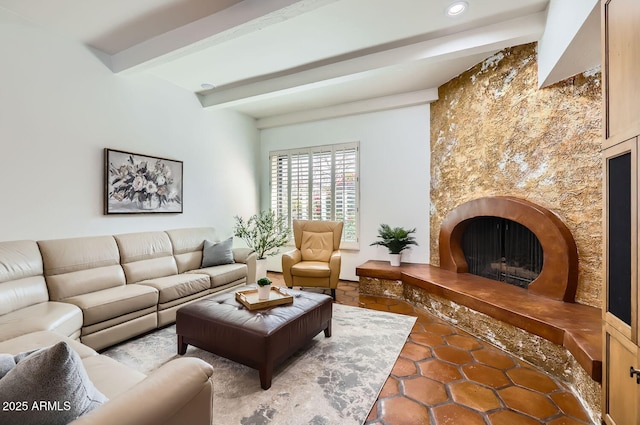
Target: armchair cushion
<point x="311" y="269"/>
<point x="316" y="246"/>
<point x="215" y="254"/>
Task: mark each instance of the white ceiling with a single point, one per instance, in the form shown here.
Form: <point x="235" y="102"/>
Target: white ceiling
<point x="276" y="58"/>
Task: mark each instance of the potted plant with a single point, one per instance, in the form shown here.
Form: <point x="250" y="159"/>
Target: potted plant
<point x="264" y="288"/>
<point x="396" y="240"/>
<point x="264" y="233"/>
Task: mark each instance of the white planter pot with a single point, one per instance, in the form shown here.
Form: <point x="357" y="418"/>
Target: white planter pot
<point x="263" y="292"/>
<point x="261" y="269"/>
<point x="394" y="259"/>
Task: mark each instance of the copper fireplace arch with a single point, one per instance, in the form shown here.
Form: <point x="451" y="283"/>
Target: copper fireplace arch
<point x="558" y="278"/>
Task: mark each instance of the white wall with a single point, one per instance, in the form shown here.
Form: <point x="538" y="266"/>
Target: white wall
<point x="394" y="174"/>
<point x="60" y="107"/>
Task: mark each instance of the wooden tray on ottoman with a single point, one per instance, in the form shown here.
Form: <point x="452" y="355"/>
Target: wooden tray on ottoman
<point x="277" y="296"/>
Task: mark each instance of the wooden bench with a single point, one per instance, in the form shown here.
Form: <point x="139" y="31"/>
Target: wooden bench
<point x="577" y="327"/>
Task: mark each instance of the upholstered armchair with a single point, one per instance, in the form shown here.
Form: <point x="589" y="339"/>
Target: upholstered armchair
<point x="316" y="260"/>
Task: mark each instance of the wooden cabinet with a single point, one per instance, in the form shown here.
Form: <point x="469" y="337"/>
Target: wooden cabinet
<point x="621" y="127"/>
<point x="620" y="330"/>
<point x="621" y="68"/>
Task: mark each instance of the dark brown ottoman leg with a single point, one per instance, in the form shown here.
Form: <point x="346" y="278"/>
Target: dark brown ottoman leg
<point x="182" y="347"/>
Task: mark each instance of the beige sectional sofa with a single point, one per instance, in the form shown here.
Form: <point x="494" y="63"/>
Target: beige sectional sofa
<point x="94" y="292"/>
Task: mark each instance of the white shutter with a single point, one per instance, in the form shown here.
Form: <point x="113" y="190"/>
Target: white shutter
<point x="300" y="186"/>
<point x="280" y="184"/>
<point x="322" y="185"/>
<point x="346" y="191"/>
<point x="319" y="183"/>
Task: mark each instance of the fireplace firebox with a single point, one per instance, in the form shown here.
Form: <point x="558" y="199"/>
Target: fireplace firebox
<point x="502" y="250"/>
<point x="548" y="263"/>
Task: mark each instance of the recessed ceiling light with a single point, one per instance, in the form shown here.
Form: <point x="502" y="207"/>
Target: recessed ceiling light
<point x="207" y="86"/>
<point x="457" y="8"/>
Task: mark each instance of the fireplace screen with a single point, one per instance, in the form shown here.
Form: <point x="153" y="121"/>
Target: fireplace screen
<point x="503" y="250"/>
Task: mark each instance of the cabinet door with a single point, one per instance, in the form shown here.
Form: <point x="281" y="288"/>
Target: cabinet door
<point x="620" y="331"/>
<point x="621" y="65"/>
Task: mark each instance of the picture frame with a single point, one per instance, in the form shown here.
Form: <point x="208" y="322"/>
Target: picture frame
<point x="141" y="184"/>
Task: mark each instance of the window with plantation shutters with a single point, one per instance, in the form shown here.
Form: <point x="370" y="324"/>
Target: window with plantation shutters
<point x="317" y="183"/>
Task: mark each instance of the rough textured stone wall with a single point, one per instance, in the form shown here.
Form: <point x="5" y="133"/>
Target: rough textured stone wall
<point x="493" y="132"/>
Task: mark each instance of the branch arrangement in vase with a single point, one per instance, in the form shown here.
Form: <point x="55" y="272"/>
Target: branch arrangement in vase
<point x="263" y="232"/>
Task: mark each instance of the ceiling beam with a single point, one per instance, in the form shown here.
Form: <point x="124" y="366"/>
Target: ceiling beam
<point x="240" y="19"/>
<point x="395" y="101"/>
<point x="359" y="64"/>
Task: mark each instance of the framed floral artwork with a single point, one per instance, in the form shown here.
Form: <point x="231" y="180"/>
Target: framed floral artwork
<point x="135" y="183"/>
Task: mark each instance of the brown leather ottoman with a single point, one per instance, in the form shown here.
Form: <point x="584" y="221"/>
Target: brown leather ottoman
<point x="260" y="339"/>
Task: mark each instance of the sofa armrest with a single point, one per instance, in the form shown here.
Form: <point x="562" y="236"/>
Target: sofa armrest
<point x="179" y="392"/>
<point x="288" y="260"/>
<point x="248" y="257"/>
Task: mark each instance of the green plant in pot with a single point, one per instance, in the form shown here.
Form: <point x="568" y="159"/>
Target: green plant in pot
<point x="264" y="233"/>
<point x="264" y="288"/>
<point x="396" y="240"/>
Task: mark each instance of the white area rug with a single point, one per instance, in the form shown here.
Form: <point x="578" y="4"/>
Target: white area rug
<point x="333" y="380"/>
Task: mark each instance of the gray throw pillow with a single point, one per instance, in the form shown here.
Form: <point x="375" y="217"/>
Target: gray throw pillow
<point x="50" y="386"/>
<point x="215" y="254"/>
<point x="7" y="362"/>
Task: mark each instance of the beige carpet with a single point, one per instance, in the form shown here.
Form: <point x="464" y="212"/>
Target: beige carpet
<point x="331" y="381"/>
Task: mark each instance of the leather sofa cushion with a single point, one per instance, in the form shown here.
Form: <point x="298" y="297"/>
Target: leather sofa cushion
<point x="188" y="244"/>
<point x="311" y="269"/>
<point x="79" y="266"/>
<point x="21" y="293"/>
<point x="224" y="274"/>
<point x="36" y="340"/>
<point x="316" y="246"/>
<point x="103" y="305"/>
<point x="178" y="286"/>
<point x="150" y="269"/>
<point x="146" y="255"/>
<point x="60" y="256"/>
<point x="64" y="286"/>
<point x="64" y="318"/>
<point x="19" y="259"/>
<point x="21" y="281"/>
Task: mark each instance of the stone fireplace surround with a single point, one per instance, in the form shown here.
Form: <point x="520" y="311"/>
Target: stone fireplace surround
<point x="542" y="325"/>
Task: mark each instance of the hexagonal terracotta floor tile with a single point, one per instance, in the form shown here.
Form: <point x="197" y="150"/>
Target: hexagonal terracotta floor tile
<point x="474" y="396"/>
<point x="404" y="367"/>
<point x="453" y="414"/>
<point x="507" y="417"/>
<point x="439" y="371"/>
<point x="493" y="357"/>
<point x="391" y="387"/>
<point x="528" y="402"/>
<point x="452" y="354"/>
<point x="427" y="338"/>
<point x="464" y="342"/>
<point x="440" y="329"/>
<point x="415" y="351"/>
<point x="425" y="390"/>
<point x="400" y="410"/>
<point x="486" y="375"/>
<point x="569" y="404"/>
<point x="533" y="379"/>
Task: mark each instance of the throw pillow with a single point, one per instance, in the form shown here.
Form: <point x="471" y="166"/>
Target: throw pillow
<point x="50" y="386"/>
<point x="215" y="254"/>
<point x="316" y="246"/>
<point x="8" y="361"/>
